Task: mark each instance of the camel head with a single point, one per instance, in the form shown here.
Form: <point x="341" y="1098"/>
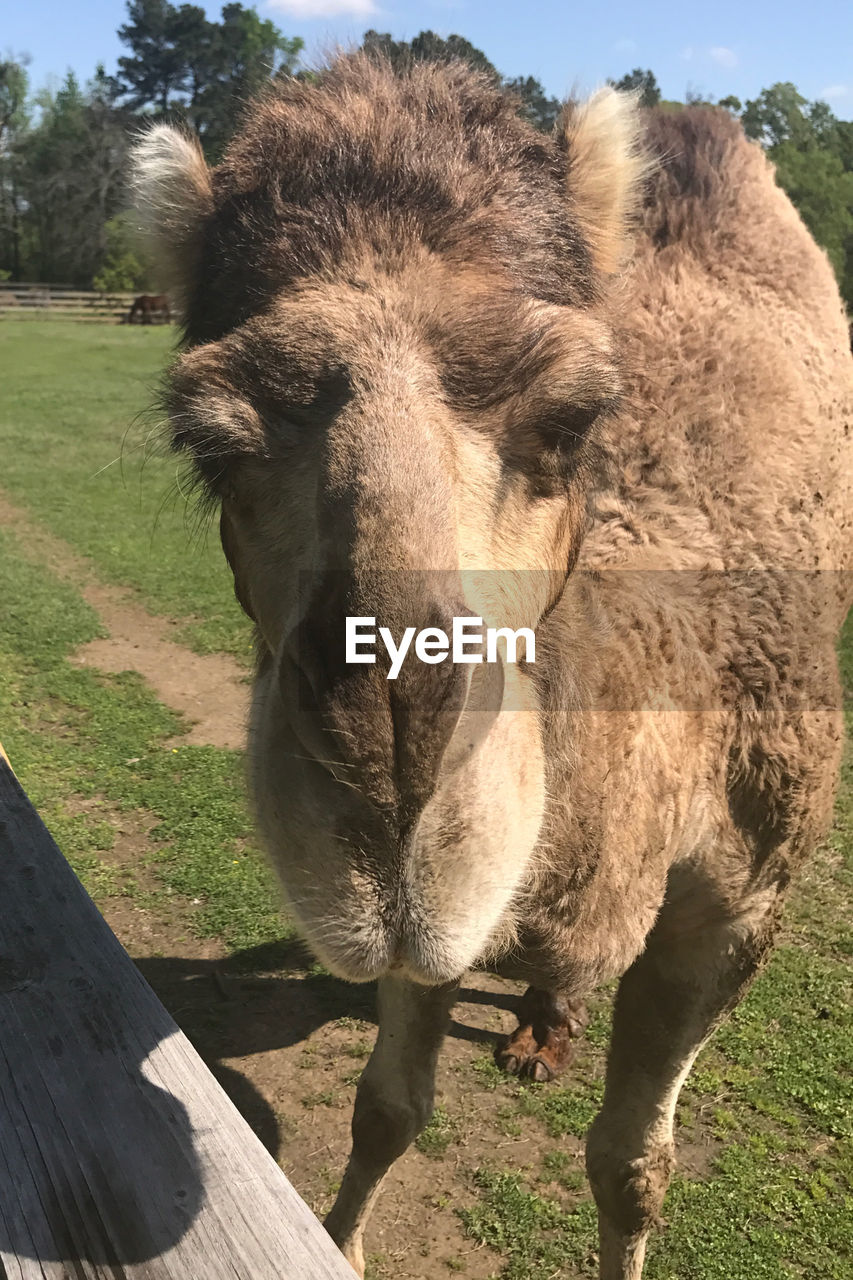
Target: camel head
<point x="396" y="357"/>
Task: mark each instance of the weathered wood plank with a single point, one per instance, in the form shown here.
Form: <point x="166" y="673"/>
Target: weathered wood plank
<point x="120" y="1156"/>
<point x="87" y="308"/>
<point x="10" y="286"/>
<point x="54" y="313"/>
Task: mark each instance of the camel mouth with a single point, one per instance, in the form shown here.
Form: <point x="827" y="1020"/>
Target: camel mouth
<point x="387" y="923"/>
<point x="419" y="957"/>
<point x="377" y="886"/>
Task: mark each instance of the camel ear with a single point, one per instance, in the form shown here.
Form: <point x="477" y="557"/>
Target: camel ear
<point x="173" y="198"/>
<point x="607" y="166"/>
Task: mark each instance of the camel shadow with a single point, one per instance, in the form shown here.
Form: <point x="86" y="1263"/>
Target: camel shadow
<point x="265" y="998"/>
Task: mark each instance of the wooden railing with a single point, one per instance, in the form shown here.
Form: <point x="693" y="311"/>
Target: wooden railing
<point x="120" y="1155"/>
<point x="61" y="302"/>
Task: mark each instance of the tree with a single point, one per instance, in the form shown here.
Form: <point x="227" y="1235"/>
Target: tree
<point x="537" y="107"/>
<point x="156" y="71"/>
<point x="817" y="184"/>
<point x="184" y="64"/>
<point x="13" y="125"/>
<point x="51" y="180"/>
<point x="244" y="53"/>
<point x="124" y="267"/>
<point x="13" y="96"/>
<point x="382" y="46"/>
<point x="194" y="39"/>
<point x="73" y="178"/>
<point x="427" y="47"/>
<point x="777" y="116"/>
<point x="641" y="80"/>
<point x="731" y="103"/>
<point x="844" y="142"/>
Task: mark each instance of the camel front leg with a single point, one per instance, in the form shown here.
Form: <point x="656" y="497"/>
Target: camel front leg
<point x="667" y="1005"/>
<point x="393" y="1102"/>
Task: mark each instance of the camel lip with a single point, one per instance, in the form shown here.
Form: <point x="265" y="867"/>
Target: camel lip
<point x="421" y="959"/>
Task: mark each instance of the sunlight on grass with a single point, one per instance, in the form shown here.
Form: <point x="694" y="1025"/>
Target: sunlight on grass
<point x="83" y="452"/>
<point x="72" y="731"/>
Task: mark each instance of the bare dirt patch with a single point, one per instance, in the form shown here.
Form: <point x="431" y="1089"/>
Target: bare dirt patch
<point x="211" y="690"/>
<point x="145" y="918"/>
<point x="288" y="1045"/>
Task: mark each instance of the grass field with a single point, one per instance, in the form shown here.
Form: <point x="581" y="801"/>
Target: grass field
<point x="158" y="829"/>
<point x="81" y="450"/>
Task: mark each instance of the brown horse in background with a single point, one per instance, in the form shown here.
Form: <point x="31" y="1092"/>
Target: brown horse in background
<point x="149" y="308"/>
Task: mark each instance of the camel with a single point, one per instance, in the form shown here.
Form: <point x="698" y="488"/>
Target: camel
<point x="436" y="365"/>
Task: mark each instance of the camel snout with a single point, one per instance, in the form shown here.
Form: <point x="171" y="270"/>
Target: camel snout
<point x="391" y="723"/>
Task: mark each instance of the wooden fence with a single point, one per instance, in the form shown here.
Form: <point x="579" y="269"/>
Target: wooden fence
<point x="119" y="1153"/>
<point x="61" y="302"/>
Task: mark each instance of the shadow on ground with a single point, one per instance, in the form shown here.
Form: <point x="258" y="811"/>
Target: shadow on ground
<point x="267" y="998"/>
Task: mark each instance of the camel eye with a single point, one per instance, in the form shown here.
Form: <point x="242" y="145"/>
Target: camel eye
<point x="565" y="428"/>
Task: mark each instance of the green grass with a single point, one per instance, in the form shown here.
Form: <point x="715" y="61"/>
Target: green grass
<point x="566" y="1109"/>
<point x="75" y="733"/>
<point x="765" y="1214"/>
<point x="442" y="1130"/>
<point x="74" y="401"/>
<point x="534" y="1234"/>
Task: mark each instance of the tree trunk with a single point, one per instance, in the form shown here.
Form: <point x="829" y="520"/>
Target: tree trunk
<point x="16" y="230"/>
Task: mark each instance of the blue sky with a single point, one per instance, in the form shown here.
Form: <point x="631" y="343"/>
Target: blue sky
<point x="721" y="48"/>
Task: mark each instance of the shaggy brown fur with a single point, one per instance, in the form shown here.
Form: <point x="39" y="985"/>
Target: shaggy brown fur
<point x="315" y="178"/>
<point x="421" y="385"/>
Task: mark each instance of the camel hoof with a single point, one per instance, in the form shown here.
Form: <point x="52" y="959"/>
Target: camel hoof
<point x="539" y="1070"/>
<point x="541" y="1045"/>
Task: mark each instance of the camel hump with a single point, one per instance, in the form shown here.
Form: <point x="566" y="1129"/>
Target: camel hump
<point x="696" y="149"/>
<point x="738" y="446"/>
<point x="713" y="196"/>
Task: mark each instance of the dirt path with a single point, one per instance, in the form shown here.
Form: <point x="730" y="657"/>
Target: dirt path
<point x="211" y="690"/>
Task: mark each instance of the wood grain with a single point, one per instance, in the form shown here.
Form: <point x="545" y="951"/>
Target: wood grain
<point x="120" y="1156"/>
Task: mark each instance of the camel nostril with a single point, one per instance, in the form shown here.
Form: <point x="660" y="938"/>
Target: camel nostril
<point x="316" y="648"/>
<point x="395" y="726"/>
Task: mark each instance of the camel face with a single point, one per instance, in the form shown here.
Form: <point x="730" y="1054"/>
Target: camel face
<point x="396" y="400"/>
<point x="375" y="479"/>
